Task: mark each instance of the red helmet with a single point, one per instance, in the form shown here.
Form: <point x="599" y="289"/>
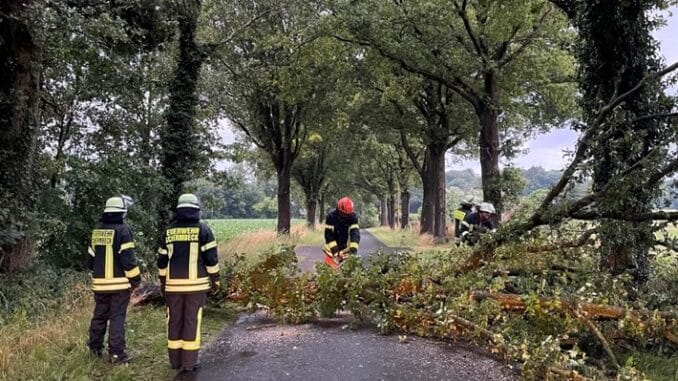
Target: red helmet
<point x="345" y="205"/>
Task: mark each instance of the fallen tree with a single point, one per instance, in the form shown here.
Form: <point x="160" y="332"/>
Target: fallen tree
<point x="425" y="294"/>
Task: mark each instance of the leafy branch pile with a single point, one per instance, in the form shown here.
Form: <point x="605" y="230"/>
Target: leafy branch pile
<point x="556" y="318"/>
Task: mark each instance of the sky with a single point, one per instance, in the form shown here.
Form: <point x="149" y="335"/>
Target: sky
<point x="548" y="150"/>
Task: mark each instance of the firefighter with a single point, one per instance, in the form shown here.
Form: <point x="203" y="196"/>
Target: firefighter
<point x="476" y="223"/>
<point x="465" y="207"/>
<point x="188" y="268"/>
<point x="342" y="234"/>
<point x="115" y="274"/>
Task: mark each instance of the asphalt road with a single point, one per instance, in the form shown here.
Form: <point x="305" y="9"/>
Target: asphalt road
<point x="310" y="255"/>
<point x="257" y="348"/>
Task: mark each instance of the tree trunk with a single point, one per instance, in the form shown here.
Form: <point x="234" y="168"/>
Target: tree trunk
<point x="489" y="150"/>
<point x="617" y="51"/>
<point x="311" y="203"/>
<point x="405" y="207"/>
<point x="383" y="211"/>
<point x="284" y="181"/>
<point x="391" y="211"/>
<point x="439" y="230"/>
<point x="19" y="116"/>
<point x="429" y="183"/>
<point x="178" y="139"/>
<point x="321" y="209"/>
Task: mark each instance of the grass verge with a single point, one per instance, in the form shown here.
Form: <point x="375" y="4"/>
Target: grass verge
<point x="407" y="238"/>
<point x="52" y="347"/>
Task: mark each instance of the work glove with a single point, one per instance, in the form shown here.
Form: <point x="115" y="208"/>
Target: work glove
<point x="331" y="250"/>
<point x="215" y="286"/>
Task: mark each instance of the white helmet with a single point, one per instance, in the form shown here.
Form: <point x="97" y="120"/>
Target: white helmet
<point x="468" y="200"/>
<point x="486" y="207"/>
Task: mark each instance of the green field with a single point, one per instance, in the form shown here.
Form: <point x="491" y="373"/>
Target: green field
<point x="225" y="230"/>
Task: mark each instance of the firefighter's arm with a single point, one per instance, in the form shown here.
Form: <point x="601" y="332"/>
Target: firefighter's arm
<point x="330" y="240"/>
<point x="163" y="261"/>
<point x="354" y="236"/>
<point x="210" y="255"/>
<point x="465" y="227"/>
<point x="127" y="258"/>
<point x="89" y="262"/>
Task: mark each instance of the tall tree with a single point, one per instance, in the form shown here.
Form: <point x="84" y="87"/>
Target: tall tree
<point x="616" y="52"/>
<point x="19" y="116"/>
<point x="491" y="54"/>
<point x="181" y="151"/>
<point x="270" y="80"/>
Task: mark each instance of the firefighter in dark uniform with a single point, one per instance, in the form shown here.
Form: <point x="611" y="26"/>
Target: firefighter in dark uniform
<point x="465" y="207"/>
<point x="188" y="267"/>
<point x="477" y="223"/>
<point x="114" y="274"/>
<point x="342" y="233"/>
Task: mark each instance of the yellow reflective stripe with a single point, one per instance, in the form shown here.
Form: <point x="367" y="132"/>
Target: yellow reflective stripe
<point x="132" y="273"/>
<point x="354" y="226"/>
<point x="108" y="262"/>
<point x="91" y="251"/>
<point x="329" y="227"/>
<point x="195" y="344"/>
<point x="208" y="246"/>
<point x="332" y="244"/>
<point x="188" y="282"/>
<point x="193" y="261"/>
<point x="162" y="251"/>
<point x="126" y="246"/>
<point x="459" y="215"/>
<point x="111" y="287"/>
<point x="196" y="288"/>
<point x="213" y="269"/>
<point x="175" y="344"/>
<point x="118" y="280"/>
<point x="162" y="272"/>
<point x="353" y="245"/>
<point x="465" y="224"/>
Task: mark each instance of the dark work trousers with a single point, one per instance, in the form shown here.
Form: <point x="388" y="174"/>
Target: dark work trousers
<point x="110" y="309"/>
<point x="183" y="328"/>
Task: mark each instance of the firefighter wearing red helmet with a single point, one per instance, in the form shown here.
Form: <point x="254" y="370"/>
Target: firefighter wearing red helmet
<point x="342" y="233"/>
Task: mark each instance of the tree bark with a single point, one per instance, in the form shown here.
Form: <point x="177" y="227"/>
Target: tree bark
<point x="391" y="211"/>
<point x="489" y="143"/>
<point x="19" y="116"/>
<point x="311" y="203"/>
<point x="429" y="183"/>
<point x="405" y="207"/>
<point x="284" y="182"/>
<point x="383" y="211"/>
<point x="439" y="230"/>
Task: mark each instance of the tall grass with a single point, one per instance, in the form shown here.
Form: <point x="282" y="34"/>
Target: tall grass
<point x="54" y="346"/>
<point x="409" y="238"/>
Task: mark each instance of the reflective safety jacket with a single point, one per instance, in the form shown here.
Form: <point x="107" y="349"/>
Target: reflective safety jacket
<point x="111" y="256"/>
<point x="187" y="254"/>
<point x="472" y="221"/>
<point x="341" y="232"/>
<point x="458" y="217"/>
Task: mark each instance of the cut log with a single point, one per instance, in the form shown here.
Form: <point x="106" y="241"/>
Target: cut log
<point x="516" y="303"/>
